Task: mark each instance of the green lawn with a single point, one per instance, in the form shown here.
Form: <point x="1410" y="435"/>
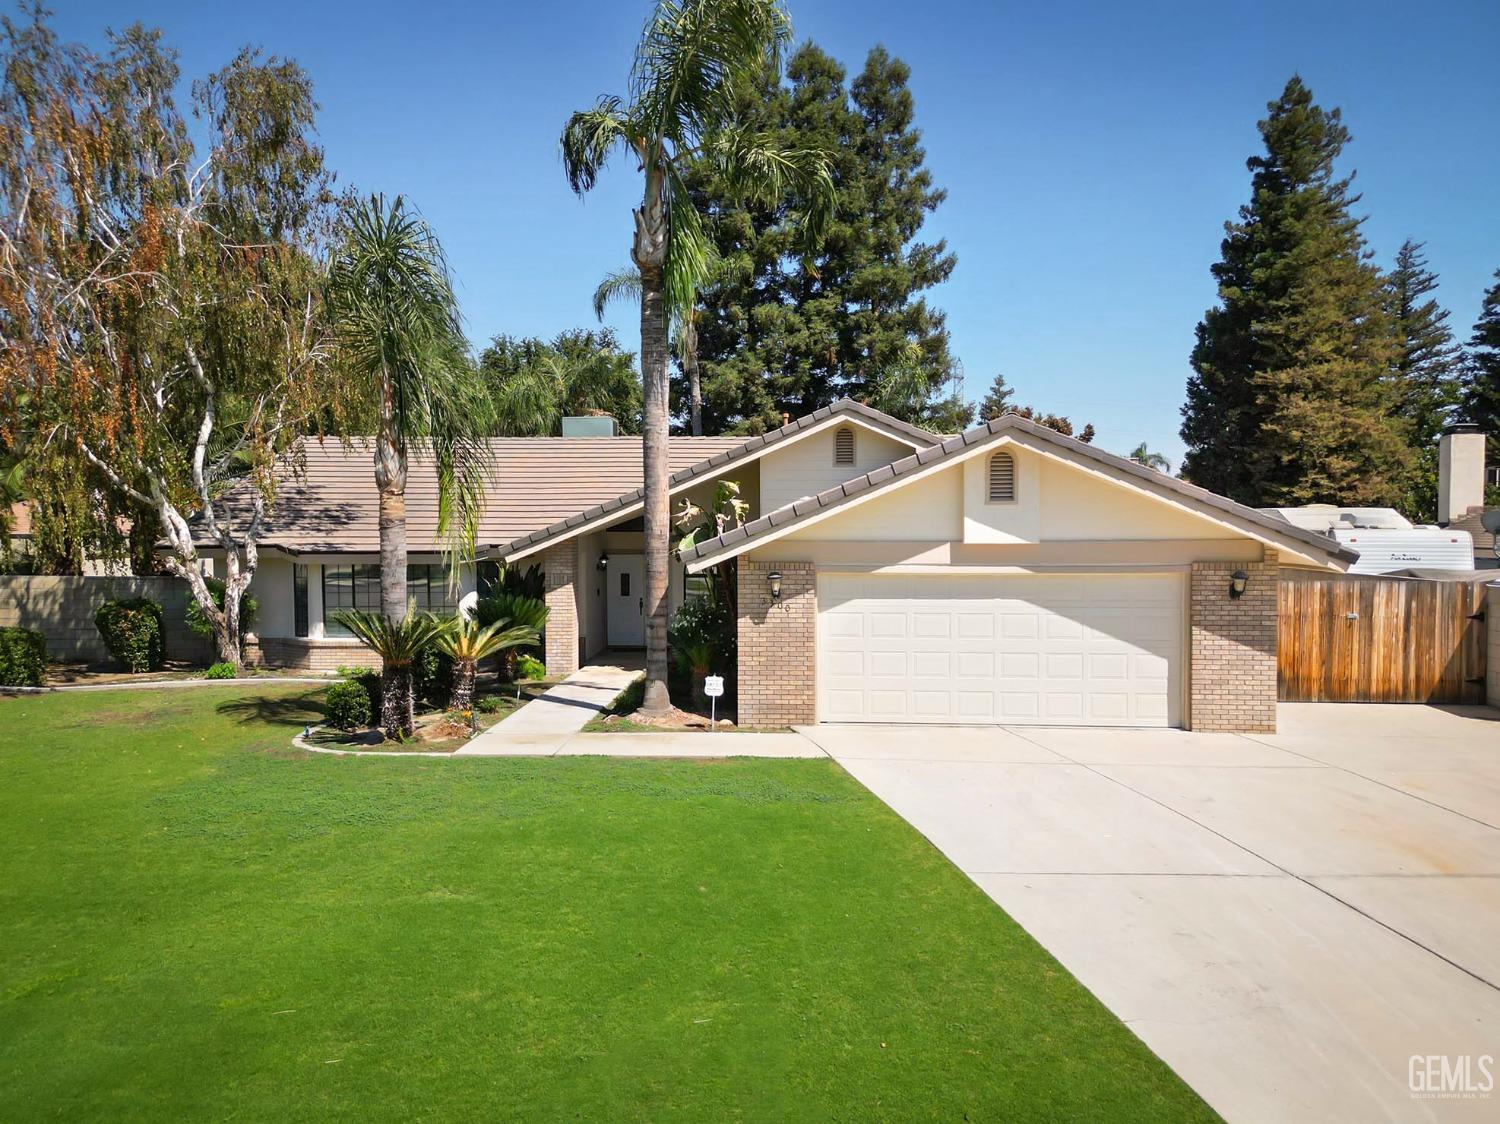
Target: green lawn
<point x="196" y="921"/>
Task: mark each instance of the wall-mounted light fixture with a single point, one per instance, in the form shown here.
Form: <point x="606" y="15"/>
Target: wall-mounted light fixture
<point x="603" y="563"/>
<point x="1237" y="583"/>
<point x="774" y="579"/>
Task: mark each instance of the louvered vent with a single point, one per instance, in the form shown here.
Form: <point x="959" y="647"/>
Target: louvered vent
<point x="1002" y="478"/>
<point x="843" y="446"/>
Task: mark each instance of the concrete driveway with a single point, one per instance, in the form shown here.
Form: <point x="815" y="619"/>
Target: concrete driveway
<point x="1285" y="919"/>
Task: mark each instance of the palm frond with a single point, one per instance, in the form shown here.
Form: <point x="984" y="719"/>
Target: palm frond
<point x="469" y="641"/>
<point x="620" y="285"/>
<point x="688" y="249"/>
<point x="588" y="139"/>
<point x="758" y="170"/>
<point x="397" y="643"/>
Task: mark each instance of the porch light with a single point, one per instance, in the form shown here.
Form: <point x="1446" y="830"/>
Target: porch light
<point x="1237" y="582"/>
<point x="603" y="563"/>
<point x="774" y="578"/>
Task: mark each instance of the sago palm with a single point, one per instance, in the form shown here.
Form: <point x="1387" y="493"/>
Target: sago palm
<point x="468" y="642"/>
<point x="401" y="341"/>
<point x="398" y="643"/>
<point x="693" y="57"/>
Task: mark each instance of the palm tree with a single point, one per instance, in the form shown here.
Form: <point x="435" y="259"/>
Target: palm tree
<point x="468" y="642"/>
<point x="625" y="284"/>
<point x="530" y="400"/>
<point x="397" y="319"/>
<point x="398" y="643"/>
<point x="693" y="57"/>
<point x="1142" y="455"/>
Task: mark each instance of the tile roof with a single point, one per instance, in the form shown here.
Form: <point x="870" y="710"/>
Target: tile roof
<point x="886" y="475"/>
<point x="743" y="447"/>
<point x="331" y="506"/>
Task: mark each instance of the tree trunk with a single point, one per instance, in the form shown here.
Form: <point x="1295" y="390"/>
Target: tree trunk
<point x="690" y="368"/>
<point x="398" y="714"/>
<point x="463" y="685"/>
<point x="650" y="253"/>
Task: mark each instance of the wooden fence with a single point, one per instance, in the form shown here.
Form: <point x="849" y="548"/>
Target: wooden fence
<point x="1361" y="639"/>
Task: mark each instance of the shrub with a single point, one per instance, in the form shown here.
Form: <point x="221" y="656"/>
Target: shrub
<point x="221" y="670"/>
<point x="487" y="704"/>
<point x="132" y="632"/>
<point x="529" y="667"/>
<point x="704" y="637"/>
<point x="23" y="657"/>
<point x="348" y="705"/>
<point x="196" y="621"/>
<point x="432" y="676"/>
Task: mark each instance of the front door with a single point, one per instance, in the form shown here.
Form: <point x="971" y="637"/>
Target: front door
<point x="626" y="598"/>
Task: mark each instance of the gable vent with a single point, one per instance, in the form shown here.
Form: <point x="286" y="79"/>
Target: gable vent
<point x="843" y="446"/>
<point x="1002" y="478"/>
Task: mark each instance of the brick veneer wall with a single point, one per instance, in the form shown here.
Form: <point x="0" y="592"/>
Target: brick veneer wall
<point x="560" y="570"/>
<point x="778" y="645"/>
<point x="306" y="654"/>
<point x="1234" y="647"/>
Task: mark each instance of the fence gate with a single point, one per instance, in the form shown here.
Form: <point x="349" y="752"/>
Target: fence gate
<point x="1359" y="639"/>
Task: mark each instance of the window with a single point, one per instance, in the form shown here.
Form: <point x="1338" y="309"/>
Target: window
<point x="349" y="587"/>
<point x="428" y="586"/>
<point x="487" y="578"/>
<point x="1002" y="478"/>
<point x="299" y="599"/>
<point x="843" y="446"/>
<point x="624" y="583"/>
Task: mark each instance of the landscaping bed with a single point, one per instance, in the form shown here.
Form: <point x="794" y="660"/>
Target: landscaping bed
<point x="437" y="731"/>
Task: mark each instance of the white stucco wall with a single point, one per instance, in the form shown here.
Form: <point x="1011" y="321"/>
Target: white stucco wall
<point x="925" y="510"/>
<point x="805" y="466"/>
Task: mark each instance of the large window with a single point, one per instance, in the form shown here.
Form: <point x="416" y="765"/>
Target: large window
<point x="428" y="586"/>
<point x="348" y="587"/>
<point x="358" y="587"/>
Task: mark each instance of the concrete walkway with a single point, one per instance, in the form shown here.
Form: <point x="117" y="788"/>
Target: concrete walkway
<point x="1286" y="919"/>
<point x="544" y="724"/>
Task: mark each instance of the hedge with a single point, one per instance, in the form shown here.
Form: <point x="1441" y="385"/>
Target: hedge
<point x="23" y="657"/>
<point x="132" y="631"/>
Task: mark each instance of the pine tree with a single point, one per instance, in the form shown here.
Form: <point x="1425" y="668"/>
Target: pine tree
<point x="1481" y="391"/>
<point x="1290" y="397"/>
<point x="1426" y="377"/>
<point x="782" y="335"/>
<point x="997" y="401"/>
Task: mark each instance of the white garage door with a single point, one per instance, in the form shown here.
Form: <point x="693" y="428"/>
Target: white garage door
<point x="1095" y="649"/>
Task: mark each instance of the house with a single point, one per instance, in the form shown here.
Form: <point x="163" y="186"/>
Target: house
<point x="1006" y="575"/>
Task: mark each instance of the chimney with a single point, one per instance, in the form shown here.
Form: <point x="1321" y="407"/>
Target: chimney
<point x="1460" y="471"/>
<point x="594" y="425"/>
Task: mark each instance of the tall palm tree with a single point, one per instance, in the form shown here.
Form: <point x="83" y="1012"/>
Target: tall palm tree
<point x="401" y="342"/>
<point x="1142" y="455"/>
<point x="393" y="304"/>
<point x="692" y="59"/>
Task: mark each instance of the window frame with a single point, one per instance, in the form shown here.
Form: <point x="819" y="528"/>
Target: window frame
<point x="300" y="618"/>
<point x="989" y="478"/>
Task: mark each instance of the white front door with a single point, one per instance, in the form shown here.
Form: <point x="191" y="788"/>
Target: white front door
<point x="1060" y="649"/>
<point x="625" y="599"/>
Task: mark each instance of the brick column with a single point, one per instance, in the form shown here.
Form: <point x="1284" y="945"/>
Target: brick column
<point x="778" y="645"/>
<point x="1234" y="647"/>
<point x="560" y="572"/>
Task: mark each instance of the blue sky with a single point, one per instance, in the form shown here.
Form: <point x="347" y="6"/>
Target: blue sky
<point x="1091" y="152"/>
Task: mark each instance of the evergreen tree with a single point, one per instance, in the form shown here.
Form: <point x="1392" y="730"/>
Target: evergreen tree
<point x="1481" y="391"/>
<point x="782" y="334"/>
<point x="997" y="401"/>
<point x="1290" y="398"/>
<point x="1427" y="371"/>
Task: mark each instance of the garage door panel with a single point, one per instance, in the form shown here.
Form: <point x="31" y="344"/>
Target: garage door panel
<point x="1101" y="649"/>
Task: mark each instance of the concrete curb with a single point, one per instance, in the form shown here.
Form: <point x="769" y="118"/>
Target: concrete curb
<point x="259" y="681"/>
<point x="301" y="743"/>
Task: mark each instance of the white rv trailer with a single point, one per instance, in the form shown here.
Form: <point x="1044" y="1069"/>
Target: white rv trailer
<point x="1386" y="540"/>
